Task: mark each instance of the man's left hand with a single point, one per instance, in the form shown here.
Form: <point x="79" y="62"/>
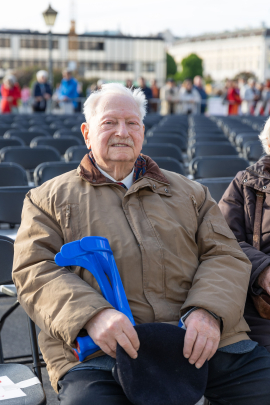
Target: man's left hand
<point x="202" y="337"/>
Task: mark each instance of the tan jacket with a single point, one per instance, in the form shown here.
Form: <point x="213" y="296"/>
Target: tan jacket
<point x="172" y="246"/>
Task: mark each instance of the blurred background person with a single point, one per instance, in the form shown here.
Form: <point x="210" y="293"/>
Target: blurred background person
<point x="198" y="85"/>
<point x="11" y="93"/>
<point x="147" y="92"/>
<point x="25" y="95"/>
<point x="42" y="91"/>
<point x="169" y="96"/>
<point x="100" y="82"/>
<point x="189" y="97"/>
<point x="266" y="98"/>
<point x="129" y="83"/>
<point x="155" y="94"/>
<point x="68" y="92"/>
<point x="233" y="98"/>
<point x="250" y="97"/>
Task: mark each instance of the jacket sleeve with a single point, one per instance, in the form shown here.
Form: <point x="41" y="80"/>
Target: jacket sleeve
<point x="232" y="208"/>
<point x="221" y="281"/>
<point x="57" y="300"/>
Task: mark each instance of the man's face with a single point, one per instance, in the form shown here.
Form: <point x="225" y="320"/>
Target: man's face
<point x="115" y="132"/>
<point x="188" y="85"/>
<point x="141" y="82"/>
<point x="67" y="75"/>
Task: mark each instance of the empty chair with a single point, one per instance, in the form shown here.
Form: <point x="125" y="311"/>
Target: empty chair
<point x="26" y="136"/>
<point x="12" y="141"/>
<point x="4" y="128"/>
<point x="212" y="149"/>
<point x="11" y="203"/>
<point x="61" y="144"/>
<point x="23" y="125"/>
<point x="12" y="174"/>
<point x="173" y="139"/>
<point x="167" y="130"/>
<point x="216" y="166"/>
<point x="68" y="132"/>
<point x="47" y="171"/>
<point x="162" y="150"/>
<point x="76" y="153"/>
<point x="42" y="129"/>
<point x="253" y="150"/>
<point x="217" y="186"/>
<point x="170" y="164"/>
<point x="240" y="139"/>
<point x="29" y="158"/>
<point x="196" y="139"/>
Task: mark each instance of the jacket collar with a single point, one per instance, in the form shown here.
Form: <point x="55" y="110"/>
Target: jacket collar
<point x="257" y="176"/>
<point x="90" y="173"/>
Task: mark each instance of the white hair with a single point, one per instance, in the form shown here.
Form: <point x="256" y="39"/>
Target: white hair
<point x="42" y="73"/>
<point x="9" y="78"/>
<point x="114" y="88"/>
<point x="264" y="137"/>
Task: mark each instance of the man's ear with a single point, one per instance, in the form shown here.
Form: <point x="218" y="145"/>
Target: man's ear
<point x="85" y="132"/>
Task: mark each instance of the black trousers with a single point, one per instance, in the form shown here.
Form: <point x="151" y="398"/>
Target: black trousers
<point x="234" y="379"/>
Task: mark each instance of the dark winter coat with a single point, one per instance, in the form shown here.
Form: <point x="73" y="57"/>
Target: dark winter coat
<point x="238" y="207"/>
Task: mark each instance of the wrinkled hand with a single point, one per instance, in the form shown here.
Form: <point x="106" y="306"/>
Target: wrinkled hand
<point x="264" y="279"/>
<point x="202" y="337"/>
<point x="110" y="327"/>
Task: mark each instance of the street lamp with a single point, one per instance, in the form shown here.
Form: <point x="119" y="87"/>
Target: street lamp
<point x="49" y="17"/>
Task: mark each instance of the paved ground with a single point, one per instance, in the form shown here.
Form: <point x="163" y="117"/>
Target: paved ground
<point x="15" y="339"/>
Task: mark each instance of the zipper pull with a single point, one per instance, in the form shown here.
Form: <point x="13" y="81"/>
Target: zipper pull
<point x="67" y="215"/>
<point x="194" y="202"/>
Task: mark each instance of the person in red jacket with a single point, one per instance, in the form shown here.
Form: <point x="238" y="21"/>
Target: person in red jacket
<point x="11" y="93"/>
<point x="233" y="98"/>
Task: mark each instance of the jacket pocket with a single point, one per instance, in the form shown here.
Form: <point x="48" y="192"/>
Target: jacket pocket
<point x="223" y="230"/>
<point x="70" y="222"/>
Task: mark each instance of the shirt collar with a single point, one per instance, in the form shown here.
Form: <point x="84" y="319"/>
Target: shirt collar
<point x="127" y="181"/>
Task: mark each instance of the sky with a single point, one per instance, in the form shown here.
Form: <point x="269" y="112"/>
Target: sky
<point x="139" y="17"/>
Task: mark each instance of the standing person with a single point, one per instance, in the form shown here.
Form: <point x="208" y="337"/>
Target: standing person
<point x="68" y="92"/>
<point x="198" y="85"/>
<point x="189" y="97"/>
<point x="11" y="93"/>
<point x="155" y="93"/>
<point x="233" y="98"/>
<point x="42" y="92"/>
<point x="250" y="97"/>
<point x="129" y="83"/>
<point x="169" y="98"/>
<point x="26" y="94"/>
<point x="147" y="92"/>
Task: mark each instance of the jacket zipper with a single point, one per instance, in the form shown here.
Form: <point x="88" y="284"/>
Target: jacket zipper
<point x="67" y="215"/>
<point x="194" y="202"/>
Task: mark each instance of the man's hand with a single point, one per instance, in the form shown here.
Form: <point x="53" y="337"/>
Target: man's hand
<point x="202" y="337"/>
<point x="264" y="279"/>
<point x="110" y="327"/>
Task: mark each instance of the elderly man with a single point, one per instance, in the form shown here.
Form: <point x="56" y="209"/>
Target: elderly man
<point x="174" y="252"/>
<point x="42" y="91"/>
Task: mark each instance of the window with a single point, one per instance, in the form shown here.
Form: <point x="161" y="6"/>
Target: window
<point x="91" y="45"/>
<point x="148" y="67"/>
<point x="4" y="42"/>
<point x="38" y="43"/>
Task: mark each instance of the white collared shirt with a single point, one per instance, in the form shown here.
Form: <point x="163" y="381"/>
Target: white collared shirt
<point x="127" y="181"/>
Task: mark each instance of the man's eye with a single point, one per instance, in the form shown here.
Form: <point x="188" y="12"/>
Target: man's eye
<point x="108" y="122"/>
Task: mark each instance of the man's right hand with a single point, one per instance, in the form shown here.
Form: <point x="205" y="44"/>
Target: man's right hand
<point x="110" y="327"/>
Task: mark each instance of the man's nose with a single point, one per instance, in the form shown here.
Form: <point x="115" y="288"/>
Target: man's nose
<point x="122" y="129"/>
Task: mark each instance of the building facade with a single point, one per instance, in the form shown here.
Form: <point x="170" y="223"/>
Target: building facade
<point x="108" y="57"/>
<point x="228" y="53"/>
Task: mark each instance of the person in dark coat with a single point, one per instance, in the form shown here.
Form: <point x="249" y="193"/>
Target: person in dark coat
<point x="238" y="207"/>
<point x="147" y="92"/>
<point x="42" y="92"/>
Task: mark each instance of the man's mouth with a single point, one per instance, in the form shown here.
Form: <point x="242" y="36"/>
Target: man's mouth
<point x="120" y="145"/>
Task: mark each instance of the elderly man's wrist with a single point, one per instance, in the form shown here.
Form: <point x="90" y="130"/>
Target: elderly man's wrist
<point x="218" y="318"/>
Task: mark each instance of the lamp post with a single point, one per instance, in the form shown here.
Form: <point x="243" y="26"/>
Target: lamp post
<point x="49" y="17"/>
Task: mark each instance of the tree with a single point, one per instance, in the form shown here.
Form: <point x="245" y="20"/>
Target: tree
<point x="190" y="67"/>
<point x="245" y="76"/>
<point x="171" y="66"/>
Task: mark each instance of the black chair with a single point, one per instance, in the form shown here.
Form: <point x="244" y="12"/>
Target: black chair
<point x="61" y="144"/>
<point x="177" y="140"/>
<point x="12" y="141"/>
<point x="253" y="150"/>
<point x="170" y="164"/>
<point x="60" y="133"/>
<point x="194" y="139"/>
<point x="217" y="186"/>
<point x="240" y="139"/>
<point x="211" y="149"/>
<point x="29" y="158"/>
<point x="76" y="153"/>
<point x="167" y="130"/>
<point x="216" y="166"/>
<point x="47" y="171"/>
<point x="25" y="136"/>
<point x="41" y="130"/>
<point x="4" y="129"/>
<point x="17" y="372"/>
<point x="163" y="150"/>
<point x="11" y="203"/>
<point x="12" y="174"/>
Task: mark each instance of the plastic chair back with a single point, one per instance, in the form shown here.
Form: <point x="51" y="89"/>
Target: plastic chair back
<point x="12" y="174"/>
